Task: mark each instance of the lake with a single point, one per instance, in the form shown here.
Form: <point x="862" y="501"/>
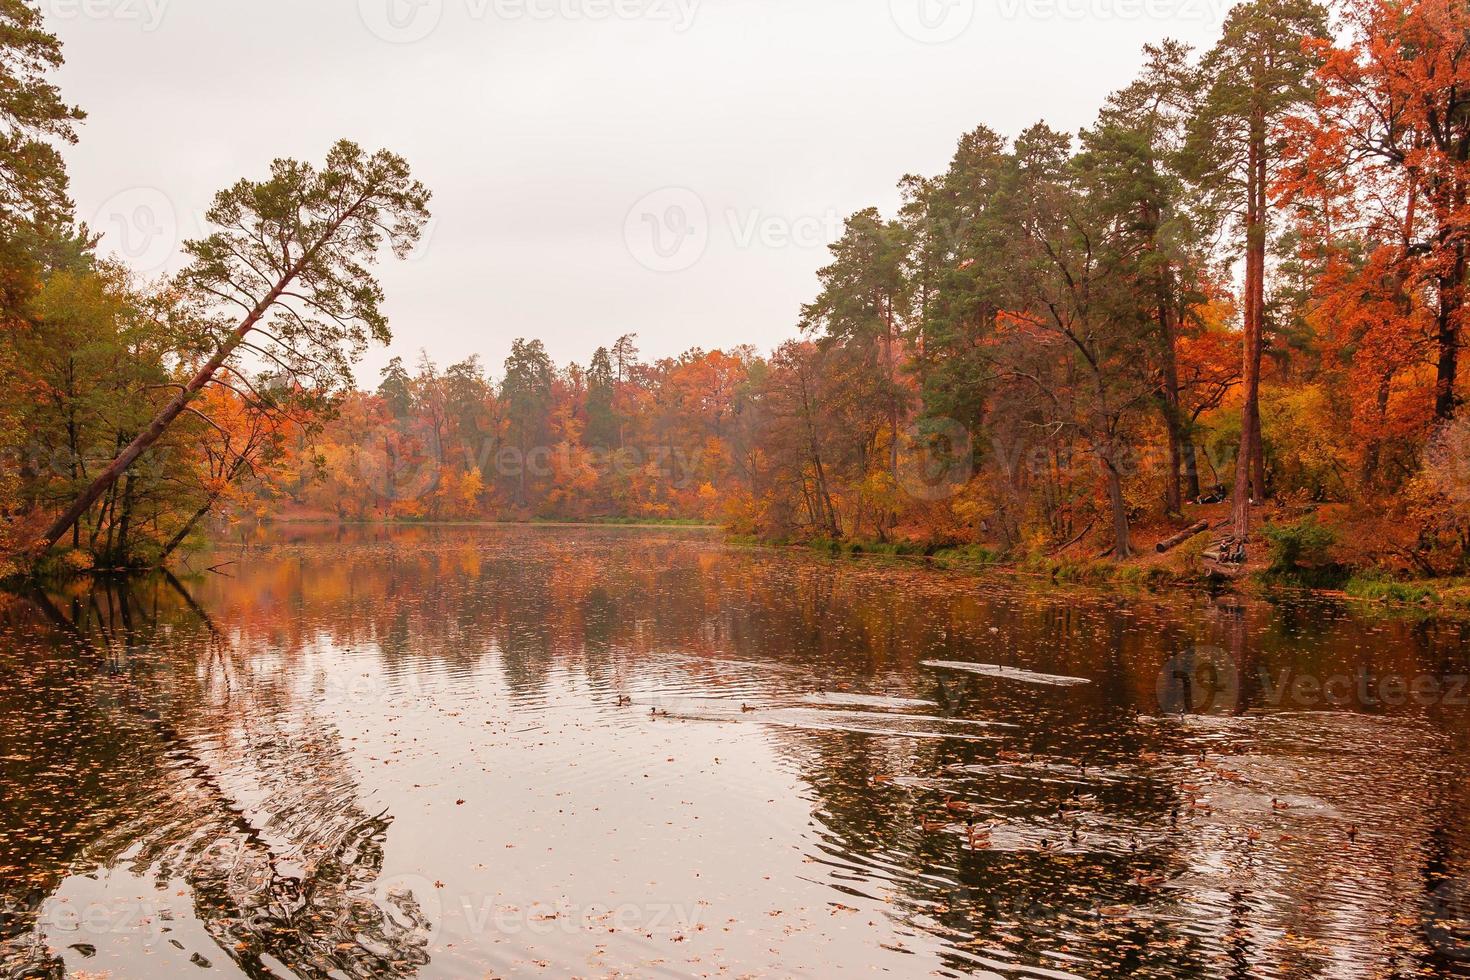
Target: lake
<point x="528" y="751"/>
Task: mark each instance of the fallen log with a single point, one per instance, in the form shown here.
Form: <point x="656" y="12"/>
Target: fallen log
<point x="1169" y="544"/>
<point x="1061" y="548"/>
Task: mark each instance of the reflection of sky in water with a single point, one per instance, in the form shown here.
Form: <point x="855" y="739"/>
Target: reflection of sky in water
<point x="412" y="753"/>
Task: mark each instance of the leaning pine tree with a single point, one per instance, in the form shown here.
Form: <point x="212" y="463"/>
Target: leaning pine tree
<point x="285" y="280"/>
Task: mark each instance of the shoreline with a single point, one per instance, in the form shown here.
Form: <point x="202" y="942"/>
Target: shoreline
<point x="1433" y="598"/>
<point x="1436" y="598"/>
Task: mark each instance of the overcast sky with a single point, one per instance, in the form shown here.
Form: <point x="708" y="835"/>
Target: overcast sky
<point x="673" y="168"/>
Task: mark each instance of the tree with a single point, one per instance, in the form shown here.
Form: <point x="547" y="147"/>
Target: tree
<point x="1256" y="75"/>
<point x="602" y="422"/>
<point x="33" y="119"/>
<point x="292" y="252"/>
<point x="1076" y="302"/>
<point x="861" y="307"/>
<point x="396" y="389"/>
<point x="1133" y="156"/>
<point x="625" y="355"/>
<point x="525" y="395"/>
<point x="1385" y="156"/>
<point x="247" y="435"/>
<point x="795" y="398"/>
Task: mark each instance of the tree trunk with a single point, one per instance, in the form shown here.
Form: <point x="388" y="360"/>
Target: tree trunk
<point x="178" y="538"/>
<point x="166" y="416"/>
<point x="1190" y="463"/>
<point x="1121" y="547"/>
<point x="1170" y="543"/>
<point x="205" y="508"/>
<point x="1173" y="419"/>
<point x="120" y="558"/>
<point x="1169" y="356"/>
<point x="1259" y="489"/>
<point x="1447" y="337"/>
<point x="1251" y="334"/>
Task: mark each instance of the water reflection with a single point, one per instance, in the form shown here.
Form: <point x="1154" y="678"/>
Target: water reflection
<point x="452" y="751"/>
<point x="132" y="743"/>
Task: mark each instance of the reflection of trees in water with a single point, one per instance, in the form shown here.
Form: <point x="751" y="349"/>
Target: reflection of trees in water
<point x="532" y="604"/>
<point x="110" y="777"/>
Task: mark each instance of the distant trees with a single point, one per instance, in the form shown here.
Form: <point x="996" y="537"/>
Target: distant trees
<point x="525" y="397"/>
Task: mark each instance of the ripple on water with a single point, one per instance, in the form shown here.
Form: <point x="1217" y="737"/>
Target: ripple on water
<point x="415" y="755"/>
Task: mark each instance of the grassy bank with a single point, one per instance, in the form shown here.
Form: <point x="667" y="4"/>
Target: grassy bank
<point x="1275" y="569"/>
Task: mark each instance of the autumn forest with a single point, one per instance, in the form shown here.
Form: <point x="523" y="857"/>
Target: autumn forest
<point x="1226" y="319"/>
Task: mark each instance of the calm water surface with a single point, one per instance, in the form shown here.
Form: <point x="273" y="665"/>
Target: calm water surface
<point x="468" y="752"/>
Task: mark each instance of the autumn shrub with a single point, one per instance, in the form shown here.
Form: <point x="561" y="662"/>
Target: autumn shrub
<point x="1300" y="552"/>
<point x="1378" y="585"/>
<point x="970" y="554"/>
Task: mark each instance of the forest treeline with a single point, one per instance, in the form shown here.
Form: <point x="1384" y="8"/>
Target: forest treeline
<point x="1237" y="296"/>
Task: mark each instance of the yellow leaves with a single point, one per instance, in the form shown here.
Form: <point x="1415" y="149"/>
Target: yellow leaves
<point x="470" y="486"/>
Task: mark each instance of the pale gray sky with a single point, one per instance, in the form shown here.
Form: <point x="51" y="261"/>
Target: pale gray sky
<point x="673" y="168"/>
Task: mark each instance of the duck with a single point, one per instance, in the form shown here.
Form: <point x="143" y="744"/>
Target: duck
<point x="978" y="836"/>
<point x="934" y="826"/>
<point x="1147" y="880"/>
<point x="1278" y="805"/>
